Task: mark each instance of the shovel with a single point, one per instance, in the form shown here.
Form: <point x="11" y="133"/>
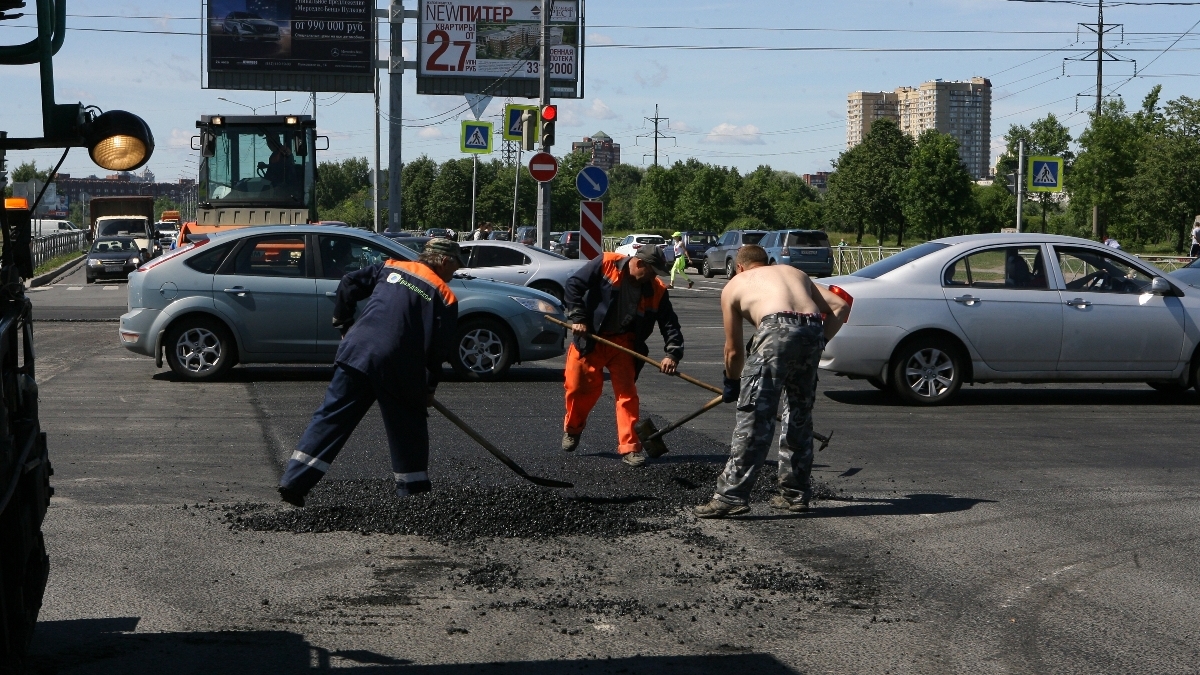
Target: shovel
<point x="544" y="482"/>
<point x="651" y="436"/>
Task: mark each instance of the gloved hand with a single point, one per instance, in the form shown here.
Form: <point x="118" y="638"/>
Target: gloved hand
<point x="344" y="327"/>
<point x="733" y="388"/>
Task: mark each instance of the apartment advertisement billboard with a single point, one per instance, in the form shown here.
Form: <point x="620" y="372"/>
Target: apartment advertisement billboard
<point x="495" y="48"/>
<point x="297" y="45"/>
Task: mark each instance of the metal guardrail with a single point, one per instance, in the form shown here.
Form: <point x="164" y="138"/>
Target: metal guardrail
<point x="1166" y="263"/>
<point x="53" y="245"/>
<point x="850" y="259"/>
<point x="610" y="243"/>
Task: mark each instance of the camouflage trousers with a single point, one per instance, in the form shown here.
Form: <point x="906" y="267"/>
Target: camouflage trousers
<point x="781" y="363"/>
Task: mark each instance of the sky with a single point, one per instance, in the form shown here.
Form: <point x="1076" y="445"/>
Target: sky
<point x="774" y="93"/>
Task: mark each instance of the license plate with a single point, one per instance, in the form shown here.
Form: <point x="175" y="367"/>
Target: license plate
<point x="809" y="252"/>
<point x="113" y="268"/>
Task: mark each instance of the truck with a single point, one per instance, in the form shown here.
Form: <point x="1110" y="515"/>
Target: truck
<point x="126" y="217"/>
<point x="254" y="170"/>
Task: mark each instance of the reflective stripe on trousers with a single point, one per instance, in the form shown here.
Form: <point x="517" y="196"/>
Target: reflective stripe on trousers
<point x="782" y="363"/>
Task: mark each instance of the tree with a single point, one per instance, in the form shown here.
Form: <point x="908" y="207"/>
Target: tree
<point x="1109" y="150"/>
<point x="416" y="183"/>
<point x="449" y="203"/>
<point x="937" y="190"/>
<point x="655" y="205"/>
<point x="564" y="196"/>
<point x="872" y="175"/>
<point x="705" y="203"/>
<point x="164" y="203"/>
<point x="338" y="180"/>
<point x="624" y="181"/>
<point x="1165" y="192"/>
<point x="27" y="171"/>
<point x="995" y="207"/>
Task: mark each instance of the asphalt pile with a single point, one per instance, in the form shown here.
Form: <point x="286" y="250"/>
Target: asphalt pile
<point x="640" y="502"/>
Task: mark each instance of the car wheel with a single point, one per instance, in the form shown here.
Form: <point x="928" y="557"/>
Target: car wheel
<point x="548" y="287"/>
<point x="483" y="350"/>
<point x="200" y="348"/>
<point x="878" y="383"/>
<point x="927" y="371"/>
<point x="730" y="270"/>
<point x="706" y="270"/>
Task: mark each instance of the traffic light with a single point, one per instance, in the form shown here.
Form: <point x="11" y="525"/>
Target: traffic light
<point x="1012" y="182"/>
<point x="528" y="130"/>
<point x="549" y="117"/>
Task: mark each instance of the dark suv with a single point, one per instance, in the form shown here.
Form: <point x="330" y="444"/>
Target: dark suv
<point x="806" y="250"/>
<point x="720" y="257"/>
<point x="567" y="244"/>
<point x="697" y="244"/>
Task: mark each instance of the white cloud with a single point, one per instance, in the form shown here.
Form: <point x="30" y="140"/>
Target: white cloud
<point x="600" y="111"/>
<point x="430" y="133"/>
<point x="180" y="139"/>
<point x="682" y="127"/>
<point x="735" y="135"/>
<point x="653" y="79"/>
<point x="599" y="39"/>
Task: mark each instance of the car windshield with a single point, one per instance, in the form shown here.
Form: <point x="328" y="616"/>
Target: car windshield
<point x="899" y="260"/>
<point x="119" y="227"/>
<point x="807" y="239"/>
<point x="1195" y="264"/>
<point x="752" y="237"/>
<point x="114" y="246"/>
<point x="654" y="240"/>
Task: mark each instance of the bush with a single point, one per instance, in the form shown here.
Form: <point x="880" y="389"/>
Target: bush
<point x="746" y="223"/>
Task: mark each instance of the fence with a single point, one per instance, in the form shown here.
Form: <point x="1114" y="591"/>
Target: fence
<point x="850" y="259"/>
<point x="53" y="245"/>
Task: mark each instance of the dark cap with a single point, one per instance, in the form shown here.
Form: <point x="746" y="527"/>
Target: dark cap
<point x="443" y="246"/>
<point x="650" y="255"/>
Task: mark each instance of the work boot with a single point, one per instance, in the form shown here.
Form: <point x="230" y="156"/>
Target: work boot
<point x="719" y="509"/>
<point x="634" y="459"/>
<point x="690" y="284"/>
<point x="570" y="442"/>
<point x="785" y="504"/>
<point x="293" y="497"/>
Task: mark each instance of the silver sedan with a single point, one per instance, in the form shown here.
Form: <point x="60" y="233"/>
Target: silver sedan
<point x="1014" y="308"/>
<point x="519" y="264"/>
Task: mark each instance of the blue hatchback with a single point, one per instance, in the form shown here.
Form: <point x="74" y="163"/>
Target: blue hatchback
<point x="266" y="295"/>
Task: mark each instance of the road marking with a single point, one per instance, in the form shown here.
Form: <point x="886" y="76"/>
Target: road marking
<point x="74" y="288"/>
<point x="110" y="288"/>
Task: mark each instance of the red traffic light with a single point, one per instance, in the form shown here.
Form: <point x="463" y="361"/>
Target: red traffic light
<point x="549" y="113"/>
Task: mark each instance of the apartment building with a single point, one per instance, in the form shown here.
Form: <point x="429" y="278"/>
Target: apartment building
<point x="962" y="109"/>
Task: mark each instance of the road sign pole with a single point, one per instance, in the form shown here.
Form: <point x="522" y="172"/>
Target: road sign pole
<point x="474" y="189"/>
<point x="395" y="108"/>
<point x="516" y="191"/>
<point x="543" y="206"/>
<point x="1020" y="183"/>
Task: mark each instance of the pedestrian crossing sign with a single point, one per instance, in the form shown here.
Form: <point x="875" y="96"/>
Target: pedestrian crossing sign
<point x="1045" y="174"/>
<point x="477" y="137"/>
<point x="512" y="121"/>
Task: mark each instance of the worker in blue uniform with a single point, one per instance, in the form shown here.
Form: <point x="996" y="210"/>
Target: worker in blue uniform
<point x="392" y="354"/>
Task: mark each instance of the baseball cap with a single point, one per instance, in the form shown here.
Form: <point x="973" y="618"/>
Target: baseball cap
<point x="653" y="257"/>
<point x="443" y="246"/>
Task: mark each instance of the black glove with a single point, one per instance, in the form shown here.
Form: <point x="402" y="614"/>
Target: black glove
<point x="733" y="387"/>
<point x="343" y="327"/>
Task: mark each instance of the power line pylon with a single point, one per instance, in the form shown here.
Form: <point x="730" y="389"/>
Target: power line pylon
<point x="656" y="135"/>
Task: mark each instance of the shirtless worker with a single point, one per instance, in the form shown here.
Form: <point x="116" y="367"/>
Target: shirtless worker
<point x="787" y="308"/>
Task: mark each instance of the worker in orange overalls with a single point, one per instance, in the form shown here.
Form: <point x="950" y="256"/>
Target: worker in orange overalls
<point x="620" y="298"/>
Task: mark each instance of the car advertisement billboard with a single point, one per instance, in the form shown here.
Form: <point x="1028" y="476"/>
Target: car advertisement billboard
<point x="494" y="48"/>
<point x="299" y="45"/>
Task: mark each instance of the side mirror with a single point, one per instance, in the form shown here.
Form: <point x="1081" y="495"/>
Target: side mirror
<point x="1160" y="286"/>
<point x="208" y="144"/>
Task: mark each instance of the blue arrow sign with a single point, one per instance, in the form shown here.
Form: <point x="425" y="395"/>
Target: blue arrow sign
<point x="592" y="182"/>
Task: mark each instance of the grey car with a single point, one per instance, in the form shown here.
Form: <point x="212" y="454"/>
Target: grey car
<point x="266" y="295"/>
<point x="1014" y="308"/>
<point x="806" y="250"/>
<point x="516" y="263"/>
<point x="720" y="257"/>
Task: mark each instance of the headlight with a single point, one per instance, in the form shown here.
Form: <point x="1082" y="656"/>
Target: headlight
<point x="92" y="262"/>
<point x="535" y="305"/>
<point x="134" y="261"/>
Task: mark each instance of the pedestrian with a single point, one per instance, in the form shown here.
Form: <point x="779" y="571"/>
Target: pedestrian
<point x="621" y="299"/>
<point x="681" y="260"/>
<point x="794" y="318"/>
<point x="1112" y="243"/>
<point x="1195" y="238"/>
<point x="392" y="354"/>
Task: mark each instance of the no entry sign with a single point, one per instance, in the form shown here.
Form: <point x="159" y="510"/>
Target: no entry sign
<point x="591" y="230"/>
<point x="543" y="167"/>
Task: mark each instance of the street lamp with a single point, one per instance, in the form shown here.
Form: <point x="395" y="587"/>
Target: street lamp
<point x="253" y="109"/>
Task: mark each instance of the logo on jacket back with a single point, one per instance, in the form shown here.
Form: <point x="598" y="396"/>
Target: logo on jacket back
<point x="395" y="278"/>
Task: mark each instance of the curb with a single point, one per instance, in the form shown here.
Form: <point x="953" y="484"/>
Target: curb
<point x="47" y="278"/>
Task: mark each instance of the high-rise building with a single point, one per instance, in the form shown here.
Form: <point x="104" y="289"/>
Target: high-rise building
<point x="961" y="109"/>
<point x="818" y="181"/>
<point x="605" y="153"/>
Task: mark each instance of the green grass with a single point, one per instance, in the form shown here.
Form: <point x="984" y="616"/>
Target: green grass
<point x="56" y="262"/>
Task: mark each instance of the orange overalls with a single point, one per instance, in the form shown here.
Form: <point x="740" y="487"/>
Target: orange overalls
<point x="585" y="381"/>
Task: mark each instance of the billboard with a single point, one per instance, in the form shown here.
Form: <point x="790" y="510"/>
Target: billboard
<point x="494" y="48"/>
<point x="291" y="45"/>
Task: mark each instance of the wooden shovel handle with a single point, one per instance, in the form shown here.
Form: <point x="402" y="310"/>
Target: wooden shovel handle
<point x="643" y="357"/>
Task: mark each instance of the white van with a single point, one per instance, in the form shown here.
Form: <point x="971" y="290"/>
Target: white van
<point x="42" y="227"/>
